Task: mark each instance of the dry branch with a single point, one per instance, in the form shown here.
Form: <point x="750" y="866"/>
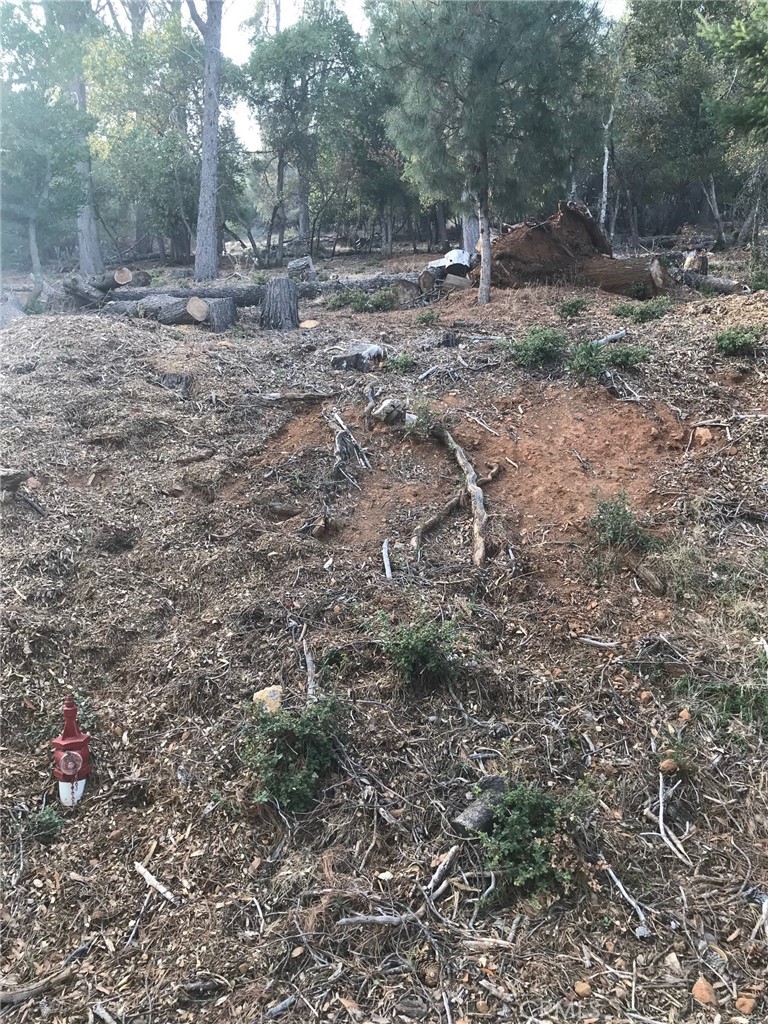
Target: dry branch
<point x="150" y="879"/>
<point x="21" y="995"/>
<point x="450" y="506"/>
<point x="474" y="490"/>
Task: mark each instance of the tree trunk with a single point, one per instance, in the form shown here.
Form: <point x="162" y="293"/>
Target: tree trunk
<point x="280" y="307"/>
<point x="442" y="233"/>
<point x="606" y="160"/>
<point x="206" y="253"/>
<point x="470" y="232"/>
<point x="34" y="253"/>
<point x="387" y="229"/>
<point x="711" y="196"/>
<point x="638" y="278"/>
<point x="303" y="195"/>
<point x="721" y="285"/>
<point x="746" y="228"/>
<point x="614" y="215"/>
<point x="219" y="313"/>
<point x="280" y="207"/>
<point x="484" y="296"/>
<point x="118" y="277"/>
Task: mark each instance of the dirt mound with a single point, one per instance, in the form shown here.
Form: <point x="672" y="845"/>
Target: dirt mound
<point x="195" y="538"/>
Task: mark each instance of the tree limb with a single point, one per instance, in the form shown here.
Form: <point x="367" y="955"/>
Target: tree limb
<point x="201" y="25"/>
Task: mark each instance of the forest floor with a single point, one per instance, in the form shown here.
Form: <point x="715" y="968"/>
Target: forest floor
<point x="196" y="545"/>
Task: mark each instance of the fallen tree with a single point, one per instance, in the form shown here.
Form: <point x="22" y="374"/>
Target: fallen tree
<point x="707" y="282"/>
<point x="569" y="246"/>
<point x="218" y="314"/>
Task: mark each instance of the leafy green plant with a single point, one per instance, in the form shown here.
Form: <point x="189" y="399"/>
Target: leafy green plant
<point x="519" y="849"/>
<point x="571" y="308"/>
<point x="426" y="420"/>
<point x="590" y="360"/>
<point x="540" y="347"/>
<point x="737" y="341"/>
<point x="402" y="363"/>
<point x="758" y="269"/>
<point x="360" y="302"/>
<point x="426" y="317"/>
<point x="615" y="523"/>
<point x="423" y="653"/>
<point x="45" y="826"/>
<point x="643" y="312"/>
<point x="289" y="752"/>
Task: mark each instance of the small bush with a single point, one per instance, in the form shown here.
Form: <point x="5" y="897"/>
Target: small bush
<point x="519" y="849"/>
<point x="571" y="308"/>
<point x="590" y="360"/>
<point x="615" y="523"/>
<point x="423" y="653"/>
<point x="587" y="361"/>
<point x="737" y="341"/>
<point x="45" y="826"/>
<point x="402" y="363"/>
<point x="643" y="312"/>
<point x="426" y="317"/>
<point x="290" y="752"/>
<point x="361" y="302"/>
<point x="426" y="420"/>
<point x="541" y="346"/>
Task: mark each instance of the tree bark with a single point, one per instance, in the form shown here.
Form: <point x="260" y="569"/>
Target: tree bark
<point x="606" y="161"/>
<point x="386" y="235"/>
<point x="303" y="196"/>
<point x="637" y="278"/>
<point x="484" y="296"/>
<point x="746" y="228"/>
<point x="34" y="253"/>
<point x="206" y="250"/>
<point x="711" y="196"/>
<point x="721" y="285"/>
<point x="470" y="231"/>
<point x="280" y="307"/>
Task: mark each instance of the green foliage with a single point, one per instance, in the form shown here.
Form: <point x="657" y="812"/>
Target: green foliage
<point x="571" y="308"/>
<point x="541" y="347"/>
<point x="426" y="420"/>
<point x="615" y="523"/>
<point x="290" y="752"/>
<point x="737" y="341"/>
<point x="644" y="312"/>
<point x="423" y="653"/>
<point x="402" y="363"/>
<point x="758" y="269"/>
<point x="591" y="360"/>
<point x="45" y="826"/>
<point x="519" y="848"/>
<point x="747" y="701"/>
<point x="426" y="318"/>
<point x="743" y="44"/>
<point x="361" y="302"/>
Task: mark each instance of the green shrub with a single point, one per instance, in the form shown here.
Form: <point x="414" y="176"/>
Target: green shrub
<point x="643" y="312"/>
<point x="402" y="363"/>
<point x="571" y="308"/>
<point x="758" y="269"/>
<point x="426" y="317"/>
<point x="737" y="341"/>
<point x="730" y="700"/>
<point x="590" y="360"/>
<point x="615" y="523"/>
<point x="541" y="346"/>
<point x="45" y="826"/>
<point x="519" y="849"/>
<point x="423" y="653"/>
<point x="360" y="302"/>
<point x="289" y="752"/>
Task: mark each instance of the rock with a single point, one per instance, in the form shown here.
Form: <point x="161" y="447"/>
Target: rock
<point x="703" y="992"/>
<point x="302" y="268"/>
<point x="746" y="1004"/>
<point x="391" y="411"/>
<point x="582" y="989"/>
<point x="271" y="697"/>
<point x="668" y="765"/>
<point x="702" y="435"/>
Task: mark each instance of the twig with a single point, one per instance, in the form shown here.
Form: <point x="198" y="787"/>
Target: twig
<point x="592" y="641"/>
<point x="443" y="868"/>
<point x="482" y="423"/>
<point x="608" y="339"/>
<point x="311" y="679"/>
<point x="150" y="879"/>
<point x="391" y="920"/>
<point x="385" y="558"/>
<point x="141" y="913"/>
<point x="21" y="995"/>
<point x="100" y="1011"/>
<point x="280" y="1008"/>
<point x="643" y="932"/>
<point x="675" y="847"/>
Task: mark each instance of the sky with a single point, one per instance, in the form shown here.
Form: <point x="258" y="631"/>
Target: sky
<point x="235" y="43"/>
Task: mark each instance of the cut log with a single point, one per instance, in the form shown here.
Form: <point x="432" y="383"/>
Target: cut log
<point x="302" y="268"/>
<point x="222" y="314"/>
<point x="83" y="292"/>
<point x="427" y="281"/>
<point x="280" y="308"/>
<point x="197" y="308"/>
<point x="407" y="293"/>
<point x="253" y="294"/>
<point x="120" y="309"/>
<point x="454" y="282"/>
<point x="721" y="285"/>
<point x="638" y="278"/>
<point x="698" y="261"/>
<point x="120" y="277"/>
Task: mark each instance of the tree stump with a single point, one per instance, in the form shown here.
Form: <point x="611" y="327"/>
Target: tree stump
<point x="280" y="308"/>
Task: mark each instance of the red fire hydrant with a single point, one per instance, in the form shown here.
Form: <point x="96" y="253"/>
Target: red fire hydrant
<point x="71" y="756"/>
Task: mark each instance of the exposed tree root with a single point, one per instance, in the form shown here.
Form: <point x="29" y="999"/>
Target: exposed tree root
<point x="473" y="489"/>
<point x="454" y="502"/>
<point x="345" y="446"/>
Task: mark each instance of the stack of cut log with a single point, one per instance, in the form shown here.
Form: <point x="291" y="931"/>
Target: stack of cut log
<point x="106" y="292"/>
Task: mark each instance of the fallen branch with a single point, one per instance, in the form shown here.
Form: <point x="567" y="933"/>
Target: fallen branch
<point x="280" y="1008"/>
<point x="474" y="490"/>
<point x="150" y="879"/>
<point x="385" y="559"/>
<point x="391" y="920"/>
<point x="311" y="677"/>
<point x="21" y="995"/>
<point x="721" y="285"/>
<point x="443" y="868"/>
<point x="642" y="931"/>
<point x="451" y="505"/>
<point x="608" y="339"/>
